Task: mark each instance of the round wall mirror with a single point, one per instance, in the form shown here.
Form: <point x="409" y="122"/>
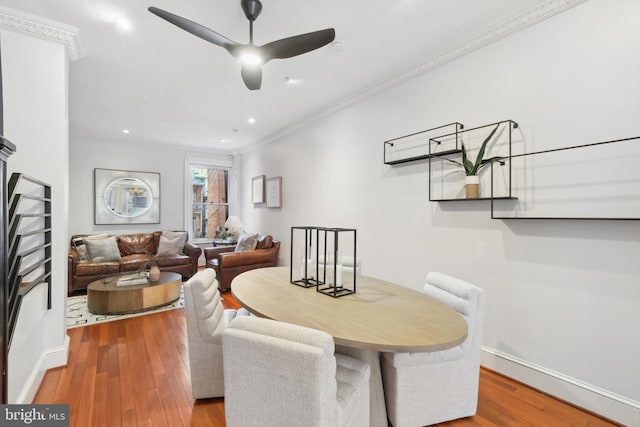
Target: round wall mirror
<point x="128" y="197"/>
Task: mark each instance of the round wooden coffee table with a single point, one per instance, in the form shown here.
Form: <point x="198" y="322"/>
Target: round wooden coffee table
<point x="104" y="297"/>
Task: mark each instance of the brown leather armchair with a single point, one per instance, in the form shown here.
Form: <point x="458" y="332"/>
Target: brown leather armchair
<point x="228" y="264"/>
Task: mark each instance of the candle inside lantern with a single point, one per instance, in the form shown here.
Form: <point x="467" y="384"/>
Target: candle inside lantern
<point x="338" y="275"/>
<point x="310" y="269"/>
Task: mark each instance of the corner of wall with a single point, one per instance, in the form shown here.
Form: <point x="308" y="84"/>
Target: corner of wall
<point x="52" y="358"/>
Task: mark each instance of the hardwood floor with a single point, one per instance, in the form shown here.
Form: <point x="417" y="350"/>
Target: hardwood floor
<point x="135" y="372"/>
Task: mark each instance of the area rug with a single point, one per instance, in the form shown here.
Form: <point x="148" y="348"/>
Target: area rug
<point x="78" y="314"/>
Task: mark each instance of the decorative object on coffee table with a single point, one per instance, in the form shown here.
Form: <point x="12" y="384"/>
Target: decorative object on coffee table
<point x="154" y="273"/>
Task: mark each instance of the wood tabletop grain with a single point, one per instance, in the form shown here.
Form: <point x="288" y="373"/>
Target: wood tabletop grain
<point x="380" y="316"/>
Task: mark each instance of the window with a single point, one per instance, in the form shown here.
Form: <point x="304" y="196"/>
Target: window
<point x="210" y="201"/>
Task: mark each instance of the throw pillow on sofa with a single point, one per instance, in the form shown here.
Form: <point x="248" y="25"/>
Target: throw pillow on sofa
<point x="102" y="250"/>
<point x="173" y="234"/>
<point x="247" y="242"/>
<point x="170" y="247"/>
<point x="78" y="243"/>
<point x="264" y="242"/>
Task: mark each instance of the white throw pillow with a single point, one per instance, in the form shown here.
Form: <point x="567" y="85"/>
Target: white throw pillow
<point x="102" y="250"/>
<point x="173" y="234"/>
<point x="170" y="247"/>
<point x="247" y="242"/>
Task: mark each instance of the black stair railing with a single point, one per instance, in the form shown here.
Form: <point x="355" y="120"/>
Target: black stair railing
<point x="31" y="265"/>
<point x="7" y="148"/>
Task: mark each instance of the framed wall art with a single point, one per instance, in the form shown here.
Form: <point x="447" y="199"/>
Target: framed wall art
<point x="126" y="197"/>
<point x="274" y="192"/>
<point x="257" y="189"/>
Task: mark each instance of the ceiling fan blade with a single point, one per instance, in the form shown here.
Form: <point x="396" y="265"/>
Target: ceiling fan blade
<point x="252" y="77"/>
<point x="297" y="45"/>
<point x="194" y="28"/>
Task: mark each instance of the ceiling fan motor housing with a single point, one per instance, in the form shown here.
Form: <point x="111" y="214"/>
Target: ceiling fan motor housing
<point x="251" y="8"/>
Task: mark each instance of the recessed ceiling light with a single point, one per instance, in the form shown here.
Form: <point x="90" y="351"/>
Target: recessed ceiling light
<point x="290" y="80"/>
<point x="223" y="140"/>
<point x="251" y="120"/>
<point x="125" y="131"/>
<point x="122" y="24"/>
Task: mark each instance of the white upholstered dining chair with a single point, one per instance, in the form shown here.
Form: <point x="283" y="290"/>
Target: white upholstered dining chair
<point x="428" y="388"/>
<point x="206" y="320"/>
<point x="278" y="374"/>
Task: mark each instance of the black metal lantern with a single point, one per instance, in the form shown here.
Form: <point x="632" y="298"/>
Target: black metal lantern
<point x="337" y="261"/>
<point x="304" y="259"/>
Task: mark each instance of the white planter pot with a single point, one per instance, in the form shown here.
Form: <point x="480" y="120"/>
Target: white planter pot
<point x="472" y="186"/>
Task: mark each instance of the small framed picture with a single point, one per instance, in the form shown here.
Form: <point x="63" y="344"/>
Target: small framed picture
<point x="257" y="189"/>
<point x="274" y="192"/>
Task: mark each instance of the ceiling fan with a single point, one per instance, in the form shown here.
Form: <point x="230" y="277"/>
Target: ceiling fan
<point x="250" y="55"/>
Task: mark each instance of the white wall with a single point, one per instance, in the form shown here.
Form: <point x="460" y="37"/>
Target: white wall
<point x="88" y="152"/>
<point x="562" y="296"/>
<point x="35" y="77"/>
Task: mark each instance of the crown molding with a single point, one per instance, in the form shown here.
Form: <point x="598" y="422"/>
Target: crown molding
<point x="35" y="26"/>
<point x="476" y="41"/>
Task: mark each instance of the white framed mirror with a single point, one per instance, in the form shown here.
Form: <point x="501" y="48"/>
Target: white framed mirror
<point x="126" y="197"/>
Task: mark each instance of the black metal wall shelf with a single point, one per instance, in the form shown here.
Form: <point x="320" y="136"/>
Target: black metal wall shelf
<point x="483" y="131"/>
<point x="416" y="146"/>
<point x="479" y="198"/>
<point x="630" y="154"/>
<point x="30" y="266"/>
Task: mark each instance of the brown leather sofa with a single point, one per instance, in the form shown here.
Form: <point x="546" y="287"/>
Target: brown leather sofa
<point x="228" y="264"/>
<point x="136" y="251"/>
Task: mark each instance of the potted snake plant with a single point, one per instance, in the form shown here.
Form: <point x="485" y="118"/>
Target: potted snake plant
<point x="472" y="169"/>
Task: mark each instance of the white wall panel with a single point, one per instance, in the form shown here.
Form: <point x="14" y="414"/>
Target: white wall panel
<point x="561" y="295"/>
<point x="35" y="85"/>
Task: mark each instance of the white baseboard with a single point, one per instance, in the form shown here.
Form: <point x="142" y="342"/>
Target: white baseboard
<point x="592" y="398"/>
<point x="52" y="358"/>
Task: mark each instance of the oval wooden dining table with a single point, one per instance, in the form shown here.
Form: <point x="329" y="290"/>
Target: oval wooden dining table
<point x="380" y="316"/>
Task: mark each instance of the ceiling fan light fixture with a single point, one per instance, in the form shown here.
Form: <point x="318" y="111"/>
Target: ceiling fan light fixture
<point x="251" y="58"/>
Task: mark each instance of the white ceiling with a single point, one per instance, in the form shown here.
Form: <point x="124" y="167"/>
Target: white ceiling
<point x="167" y="86"/>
